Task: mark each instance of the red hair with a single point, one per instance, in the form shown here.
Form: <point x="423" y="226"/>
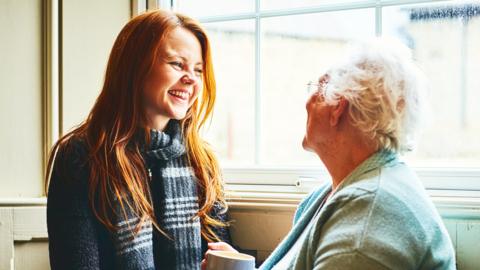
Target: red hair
<point x="118" y="113"/>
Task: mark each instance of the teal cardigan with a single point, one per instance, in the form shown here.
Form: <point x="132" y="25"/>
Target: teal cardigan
<point x="380" y="217"/>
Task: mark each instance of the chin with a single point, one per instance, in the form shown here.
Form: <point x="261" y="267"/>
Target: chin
<point x="178" y="115"/>
<point x="305" y="144"/>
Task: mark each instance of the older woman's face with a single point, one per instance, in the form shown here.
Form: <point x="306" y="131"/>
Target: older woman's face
<point x="317" y="119"/>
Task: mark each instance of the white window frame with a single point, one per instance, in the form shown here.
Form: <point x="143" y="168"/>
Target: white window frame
<point x="439" y="181"/>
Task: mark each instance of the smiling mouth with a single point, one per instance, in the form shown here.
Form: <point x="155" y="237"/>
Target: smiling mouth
<point x="180" y="94"/>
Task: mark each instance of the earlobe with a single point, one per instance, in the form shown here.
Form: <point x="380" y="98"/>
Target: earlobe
<point x="337" y="111"/>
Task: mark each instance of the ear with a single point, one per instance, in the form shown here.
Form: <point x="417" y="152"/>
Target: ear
<point x="337" y="111"/>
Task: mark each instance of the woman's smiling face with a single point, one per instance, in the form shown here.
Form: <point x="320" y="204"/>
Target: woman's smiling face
<point x="175" y="80"/>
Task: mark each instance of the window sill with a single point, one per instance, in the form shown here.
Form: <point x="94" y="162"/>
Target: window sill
<point x="305" y="179"/>
<point x="21" y="201"/>
<point x="450" y="203"/>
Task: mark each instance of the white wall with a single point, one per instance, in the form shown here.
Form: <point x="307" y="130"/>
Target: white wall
<point x="21" y="88"/>
<point x="89" y="29"/>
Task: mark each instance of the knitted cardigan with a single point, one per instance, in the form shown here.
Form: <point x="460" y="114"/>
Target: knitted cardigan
<point x="380" y="217"/>
<point x="77" y="240"/>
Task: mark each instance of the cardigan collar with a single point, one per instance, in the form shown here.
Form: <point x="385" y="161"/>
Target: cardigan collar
<point x="383" y="157"/>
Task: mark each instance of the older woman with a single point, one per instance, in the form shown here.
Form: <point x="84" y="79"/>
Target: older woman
<point x="375" y="213"/>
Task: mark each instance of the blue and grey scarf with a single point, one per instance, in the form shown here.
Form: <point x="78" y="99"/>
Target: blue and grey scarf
<point x="173" y="187"/>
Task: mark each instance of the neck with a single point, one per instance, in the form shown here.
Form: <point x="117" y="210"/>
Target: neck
<point x="347" y="155"/>
<point x="158" y="122"/>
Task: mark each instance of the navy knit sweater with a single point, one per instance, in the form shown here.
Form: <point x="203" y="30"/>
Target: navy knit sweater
<point x="77" y="240"/>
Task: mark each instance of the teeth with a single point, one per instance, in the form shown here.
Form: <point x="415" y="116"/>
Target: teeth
<point x="181" y="94"/>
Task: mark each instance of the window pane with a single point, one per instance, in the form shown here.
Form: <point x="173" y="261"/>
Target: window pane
<point x="445" y="40"/>
<point x="295" y="50"/>
<point x="209" y="8"/>
<point x="288" y="4"/>
<point x="232" y="132"/>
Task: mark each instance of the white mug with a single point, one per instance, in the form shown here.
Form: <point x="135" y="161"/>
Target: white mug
<point x="228" y="260"/>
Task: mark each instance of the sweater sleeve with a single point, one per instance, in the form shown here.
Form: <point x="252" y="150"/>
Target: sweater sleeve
<point x="349" y="260"/>
<point x="218" y="213"/>
<point x="73" y="241"/>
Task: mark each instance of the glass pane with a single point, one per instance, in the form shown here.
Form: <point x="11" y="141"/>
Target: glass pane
<point x="207" y="8"/>
<point x="445" y="40"/>
<point x="232" y="132"/>
<point x="295" y="51"/>
<point x="288" y="4"/>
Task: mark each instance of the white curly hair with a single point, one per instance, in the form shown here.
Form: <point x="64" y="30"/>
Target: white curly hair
<point x="385" y="90"/>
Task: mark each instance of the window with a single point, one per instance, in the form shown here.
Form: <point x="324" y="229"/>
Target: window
<point x="444" y="39"/>
<point x="265" y="52"/>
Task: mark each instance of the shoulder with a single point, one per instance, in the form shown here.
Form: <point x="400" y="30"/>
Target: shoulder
<point x="68" y="185"/>
<point x="386" y="216"/>
<point x="349" y="260"/>
<point x="72" y="150"/>
<point x="71" y="159"/>
<point x="389" y="194"/>
<point x="385" y="187"/>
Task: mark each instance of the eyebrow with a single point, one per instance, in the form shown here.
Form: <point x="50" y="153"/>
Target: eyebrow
<point x="324" y="78"/>
<point x="170" y="55"/>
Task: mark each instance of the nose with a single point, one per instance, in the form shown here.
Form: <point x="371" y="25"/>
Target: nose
<point x="190" y="77"/>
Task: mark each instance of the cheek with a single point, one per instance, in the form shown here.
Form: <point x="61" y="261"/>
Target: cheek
<point x="148" y="93"/>
<point x="310" y="102"/>
<point x="197" y="91"/>
<point x="158" y="80"/>
<point x="150" y="88"/>
<point x="151" y="93"/>
<point x="159" y="92"/>
<point x="314" y="124"/>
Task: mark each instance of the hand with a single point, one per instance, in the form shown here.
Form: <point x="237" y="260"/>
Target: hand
<point x="216" y="246"/>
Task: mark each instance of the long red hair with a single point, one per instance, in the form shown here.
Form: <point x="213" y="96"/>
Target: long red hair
<point x="117" y="170"/>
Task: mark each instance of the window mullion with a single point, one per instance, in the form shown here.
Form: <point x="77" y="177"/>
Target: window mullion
<point x="166" y="4"/>
<point x="138" y="7"/>
<point x="258" y="100"/>
<point x="378" y="19"/>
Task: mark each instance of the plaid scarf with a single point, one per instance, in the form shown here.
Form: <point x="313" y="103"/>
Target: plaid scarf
<point x="174" y="196"/>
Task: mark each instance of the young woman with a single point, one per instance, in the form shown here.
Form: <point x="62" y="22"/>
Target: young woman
<point x="134" y="186"/>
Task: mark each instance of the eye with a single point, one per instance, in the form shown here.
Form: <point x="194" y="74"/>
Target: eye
<point x="176" y="64"/>
<point x="198" y="71"/>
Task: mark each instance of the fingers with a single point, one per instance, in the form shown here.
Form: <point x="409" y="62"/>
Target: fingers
<point x="221" y="246"/>
<point x="216" y="246"/>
